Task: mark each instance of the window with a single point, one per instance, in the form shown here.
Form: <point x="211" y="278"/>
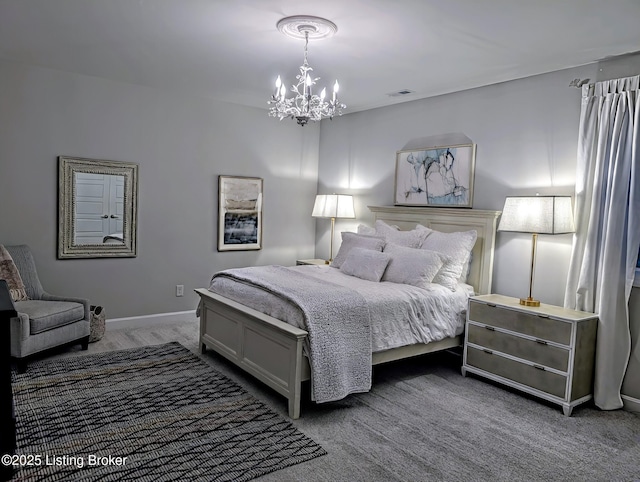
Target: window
<point x="636" y="282"/>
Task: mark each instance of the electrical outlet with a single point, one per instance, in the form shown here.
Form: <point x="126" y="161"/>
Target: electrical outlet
<point x="179" y="290"/>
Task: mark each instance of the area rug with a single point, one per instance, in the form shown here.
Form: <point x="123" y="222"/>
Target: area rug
<point x="155" y="413"/>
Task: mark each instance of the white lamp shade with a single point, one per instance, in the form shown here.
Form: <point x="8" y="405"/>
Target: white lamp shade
<point x="537" y="214"/>
<point x="333" y="206"/>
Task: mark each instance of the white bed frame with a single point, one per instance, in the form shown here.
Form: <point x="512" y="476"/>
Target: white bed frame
<point x="271" y="350"/>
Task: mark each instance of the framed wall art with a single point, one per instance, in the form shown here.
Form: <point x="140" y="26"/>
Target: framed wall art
<point x="240" y="213"/>
<point x="435" y="176"/>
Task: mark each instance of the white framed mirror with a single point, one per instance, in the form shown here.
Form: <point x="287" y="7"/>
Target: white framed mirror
<point x="97" y="208"/>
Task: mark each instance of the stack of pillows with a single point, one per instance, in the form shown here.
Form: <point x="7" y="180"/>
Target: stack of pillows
<point x="417" y="257"/>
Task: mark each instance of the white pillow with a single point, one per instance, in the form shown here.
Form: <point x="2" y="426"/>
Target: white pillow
<point x="456" y="246"/>
<point x="409" y="239"/>
<point x="411" y="266"/>
<point x="353" y="240"/>
<point x="368" y="230"/>
<point x="365" y="264"/>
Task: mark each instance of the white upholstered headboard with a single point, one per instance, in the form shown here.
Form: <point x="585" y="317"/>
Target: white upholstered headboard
<point x="449" y="220"/>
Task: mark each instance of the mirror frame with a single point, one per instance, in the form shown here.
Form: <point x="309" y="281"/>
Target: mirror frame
<point x="67" y="168"/>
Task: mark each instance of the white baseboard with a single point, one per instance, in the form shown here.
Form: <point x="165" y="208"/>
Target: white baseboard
<point x="150" y="320"/>
<point x="630" y="403"/>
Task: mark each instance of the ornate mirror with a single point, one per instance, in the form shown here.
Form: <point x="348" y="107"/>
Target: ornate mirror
<point x="97" y="208"/>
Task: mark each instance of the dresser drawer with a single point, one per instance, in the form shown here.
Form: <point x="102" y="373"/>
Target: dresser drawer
<point x="522" y="373"/>
<point x="541" y="327"/>
<point x="533" y="351"/>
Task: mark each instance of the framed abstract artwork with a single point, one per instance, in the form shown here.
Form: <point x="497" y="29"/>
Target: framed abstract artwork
<point x="240" y="213"/>
<point x="435" y="176"/>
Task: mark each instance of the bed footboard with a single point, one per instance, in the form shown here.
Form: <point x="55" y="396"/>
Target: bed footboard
<point x="261" y="345"/>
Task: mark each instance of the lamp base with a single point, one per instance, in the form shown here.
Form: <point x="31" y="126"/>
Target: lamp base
<point x="529" y="302"/>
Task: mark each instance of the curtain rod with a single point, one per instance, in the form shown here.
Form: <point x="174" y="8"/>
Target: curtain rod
<point x="578" y="83"/>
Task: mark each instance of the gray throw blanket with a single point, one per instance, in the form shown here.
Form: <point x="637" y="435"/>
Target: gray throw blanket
<point x="337" y="320"/>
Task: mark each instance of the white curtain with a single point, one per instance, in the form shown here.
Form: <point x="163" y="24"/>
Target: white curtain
<point x="607" y="214"/>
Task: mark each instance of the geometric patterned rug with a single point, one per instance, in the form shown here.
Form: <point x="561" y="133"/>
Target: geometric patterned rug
<point x="155" y="413"/>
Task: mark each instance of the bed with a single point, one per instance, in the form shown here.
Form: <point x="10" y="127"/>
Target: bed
<point x="272" y="350"/>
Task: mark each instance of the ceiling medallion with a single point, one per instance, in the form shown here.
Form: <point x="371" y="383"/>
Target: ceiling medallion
<point x="305" y="105"/>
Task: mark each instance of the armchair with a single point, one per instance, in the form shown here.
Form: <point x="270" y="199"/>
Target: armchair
<point x="44" y="320"/>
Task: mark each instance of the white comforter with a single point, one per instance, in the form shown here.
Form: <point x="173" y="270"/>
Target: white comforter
<point x="400" y="314"/>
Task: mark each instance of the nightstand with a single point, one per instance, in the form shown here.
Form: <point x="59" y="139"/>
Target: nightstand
<point x="546" y="351"/>
<point x="311" y="261"/>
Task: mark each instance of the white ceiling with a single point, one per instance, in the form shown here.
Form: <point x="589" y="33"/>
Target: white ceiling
<point x="230" y="50"/>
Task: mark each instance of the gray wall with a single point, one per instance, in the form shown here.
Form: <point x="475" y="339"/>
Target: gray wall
<point x="526" y="136"/>
<point x="524" y="146"/>
<point x="181" y="143"/>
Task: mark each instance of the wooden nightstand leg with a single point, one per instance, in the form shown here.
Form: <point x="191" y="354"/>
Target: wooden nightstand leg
<point x="463" y="370"/>
<point x="567" y="409"/>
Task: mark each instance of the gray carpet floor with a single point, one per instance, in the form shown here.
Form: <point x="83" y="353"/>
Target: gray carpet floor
<point x="423" y="421"/>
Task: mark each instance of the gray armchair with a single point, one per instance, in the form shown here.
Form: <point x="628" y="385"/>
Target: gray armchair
<point x="44" y="321"/>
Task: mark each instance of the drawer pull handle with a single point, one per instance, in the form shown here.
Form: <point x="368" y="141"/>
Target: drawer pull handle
<point x="488" y="352"/>
<point x="538" y="367"/>
<point x="542" y="342"/>
<point x="490" y="328"/>
<point x="543" y="316"/>
<point x="492" y="305"/>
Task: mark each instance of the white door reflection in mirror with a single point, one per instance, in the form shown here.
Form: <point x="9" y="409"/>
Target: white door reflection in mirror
<point x="99" y="208"/>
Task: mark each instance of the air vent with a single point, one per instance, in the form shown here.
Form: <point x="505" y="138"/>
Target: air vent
<point x="400" y="93"/>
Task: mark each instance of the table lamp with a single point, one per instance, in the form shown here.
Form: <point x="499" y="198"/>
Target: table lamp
<point x="333" y="206"/>
<point x="536" y="215"/>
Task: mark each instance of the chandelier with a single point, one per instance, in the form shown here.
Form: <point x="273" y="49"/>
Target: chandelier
<point x="305" y="105"/>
